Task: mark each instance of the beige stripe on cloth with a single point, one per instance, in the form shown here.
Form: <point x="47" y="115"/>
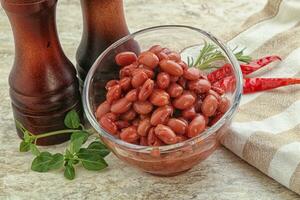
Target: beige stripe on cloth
<point x="266" y="130"/>
<point x="261" y="147"/>
<point x="269" y="11"/>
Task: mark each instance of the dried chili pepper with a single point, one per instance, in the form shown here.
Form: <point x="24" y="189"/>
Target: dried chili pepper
<point x="252" y="85"/>
<point x="260" y="84"/>
<point x="253" y="66"/>
<point x="257" y="64"/>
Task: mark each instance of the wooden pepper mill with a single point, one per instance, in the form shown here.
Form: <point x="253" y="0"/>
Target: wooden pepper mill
<point x="43" y="83"/>
<point x="103" y="23"/>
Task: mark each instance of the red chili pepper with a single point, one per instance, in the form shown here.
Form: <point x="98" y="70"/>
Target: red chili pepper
<point x="257" y="64"/>
<point x="260" y="84"/>
<point x="253" y="66"/>
<point x="220" y="73"/>
<point x="252" y="85"/>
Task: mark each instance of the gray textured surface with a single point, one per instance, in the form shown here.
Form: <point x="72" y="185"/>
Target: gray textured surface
<point x="221" y="176"/>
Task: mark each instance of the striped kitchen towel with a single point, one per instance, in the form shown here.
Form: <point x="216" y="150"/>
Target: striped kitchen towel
<point x="266" y="130"/>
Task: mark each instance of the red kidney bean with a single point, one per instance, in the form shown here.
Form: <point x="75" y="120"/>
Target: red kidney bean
<point x="181" y="138"/>
<point x="111" y="83"/>
<point x="199" y="86"/>
<point x="162" y="56"/>
<point x="132" y="95"/>
<point x="203" y="75"/>
<point x="165" y="134"/>
<point x="127" y="70"/>
<point x="146" y="90"/>
<point x="129" y="115"/>
<point x="209" y="105"/>
<point x="184" y="101"/>
<point x="159" y="97"/>
<point x="125" y="58"/>
<point x="144" y="127"/>
<point x="138" y="79"/>
<point x="147" y="70"/>
<point x="182" y="82"/>
<point x="120" y="106"/>
<point x="151" y="136"/>
<point x="171" y="67"/>
<point x="122" y="124"/>
<point x="198" y="105"/>
<point x="129" y="134"/>
<point x="215" y="118"/>
<point x="183" y="65"/>
<point x="224" y="104"/>
<point x="190" y="93"/>
<point x="166" y="50"/>
<point x="124" y="73"/>
<point x="156" y="49"/>
<point x="178" y="126"/>
<point x="174" y="79"/>
<point x="189" y="113"/>
<point x="152" y="139"/>
<point x="108" y="125"/>
<point x="136" y="122"/>
<point x="206" y="119"/>
<point x="142" y="107"/>
<point x="102" y="109"/>
<point x="144" y="116"/>
<point x="125" y="83"/>
<point x="175" y="90"/>
<point x="112" y="116"/>
<point x="196" y="126"/>
<point x="149" y="59"/>
<point x="163" y="80"/>
<point x="218" y="90"/>
<point x="191" y="74"/>
<point x="144" y="141"/>
<point x="215" y="94"/>
<point x="183" y="120"/>
<point x="161" y="115"/>
<point x="174" y="56"/>
<point x="114" y="93"/>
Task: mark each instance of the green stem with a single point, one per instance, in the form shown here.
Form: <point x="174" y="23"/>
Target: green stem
<point x="57" y="133"/>
<point x="82" y="127"/>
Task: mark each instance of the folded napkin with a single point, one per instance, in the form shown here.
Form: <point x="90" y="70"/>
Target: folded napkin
<point x="266" y="130"/>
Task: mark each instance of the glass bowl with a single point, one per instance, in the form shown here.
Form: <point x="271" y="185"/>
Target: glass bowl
<point x="170" y="159"/>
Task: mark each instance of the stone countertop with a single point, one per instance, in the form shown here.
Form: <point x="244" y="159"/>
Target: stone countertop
<point x="221" y="176"/>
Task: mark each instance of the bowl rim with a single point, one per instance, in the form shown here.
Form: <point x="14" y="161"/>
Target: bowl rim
<point x="167" y="148"/>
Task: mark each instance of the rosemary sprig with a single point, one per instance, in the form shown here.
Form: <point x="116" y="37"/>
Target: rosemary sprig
<point x="210" y="54"/>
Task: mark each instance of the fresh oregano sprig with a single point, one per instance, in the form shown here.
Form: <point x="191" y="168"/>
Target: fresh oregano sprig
<point x="210" y="54"/>
<point x="91" y="157"/>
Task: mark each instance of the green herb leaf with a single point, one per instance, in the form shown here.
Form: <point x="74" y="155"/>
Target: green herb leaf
<point x="99" y="148"/>
<point x="68" y="154"/>
<point x="82" y="135"/>
<point x="77" y="139"/>
<point x="91" y="160"/>
<point x="57" y="161"/>
<point x="45" y="162"/>
<point x="41" y="162"/>
<point x="34" y="150"/>
<point x="93" y="152"/>
<point x="28" y="138"/>
<point x="72" y="119"/>
<point x="24" y="146"/>
<point x="69" y="172"/>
